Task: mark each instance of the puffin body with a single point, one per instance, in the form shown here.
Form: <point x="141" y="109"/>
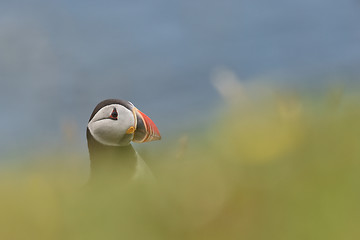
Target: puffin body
<point x="112" y="126"/>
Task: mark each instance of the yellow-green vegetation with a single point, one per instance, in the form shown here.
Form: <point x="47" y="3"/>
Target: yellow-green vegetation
<point x="278" y="165"/>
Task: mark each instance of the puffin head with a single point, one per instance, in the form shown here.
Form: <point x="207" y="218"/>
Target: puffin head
<point x="117" y="122"/>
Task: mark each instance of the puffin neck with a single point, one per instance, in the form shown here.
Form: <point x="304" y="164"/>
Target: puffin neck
<point x="111" y="161"/>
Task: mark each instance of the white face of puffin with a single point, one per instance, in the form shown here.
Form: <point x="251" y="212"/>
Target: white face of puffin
<point x="113" y="125"/>
<point x="117" y="125"/>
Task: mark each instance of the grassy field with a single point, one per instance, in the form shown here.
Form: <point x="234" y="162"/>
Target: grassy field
<point x="279" y="165"/>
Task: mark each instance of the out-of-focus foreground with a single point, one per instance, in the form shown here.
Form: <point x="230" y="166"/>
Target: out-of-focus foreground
<point x="281" y="166"/>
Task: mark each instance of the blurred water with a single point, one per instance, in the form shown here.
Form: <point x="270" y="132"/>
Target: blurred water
<point x="59" y="59"/>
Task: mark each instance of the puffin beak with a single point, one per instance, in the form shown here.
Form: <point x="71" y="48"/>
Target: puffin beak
<point x="145" y="128"/>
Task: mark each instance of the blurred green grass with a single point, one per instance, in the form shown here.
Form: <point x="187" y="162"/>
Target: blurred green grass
<point x="283" y="165"/>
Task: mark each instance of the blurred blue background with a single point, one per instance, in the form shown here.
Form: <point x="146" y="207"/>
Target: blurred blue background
<point x="60" y="58"/>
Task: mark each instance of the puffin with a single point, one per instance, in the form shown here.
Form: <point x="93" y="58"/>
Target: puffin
<point x="113" y="125"/>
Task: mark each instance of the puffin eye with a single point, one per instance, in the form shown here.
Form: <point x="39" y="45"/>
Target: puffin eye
<point x="114" y="114"/>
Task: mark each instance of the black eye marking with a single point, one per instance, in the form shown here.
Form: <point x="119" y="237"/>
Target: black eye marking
<point x="114" y="114"/>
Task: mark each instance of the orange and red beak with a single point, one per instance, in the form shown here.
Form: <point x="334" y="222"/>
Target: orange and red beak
<point x="145" y="128"/>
